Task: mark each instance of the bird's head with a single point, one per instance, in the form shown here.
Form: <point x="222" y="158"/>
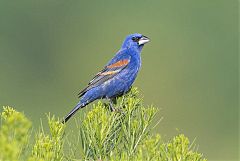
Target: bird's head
<point x="135" y="40"/>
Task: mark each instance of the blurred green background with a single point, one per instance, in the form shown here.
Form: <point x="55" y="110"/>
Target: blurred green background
<point x="49" y="50"/>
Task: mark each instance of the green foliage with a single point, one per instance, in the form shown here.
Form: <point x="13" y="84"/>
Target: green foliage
<point x="179" y="149"/>
<point x="107" y="134"/>
<point x="14" y="135"/>
<point x="49" y="147"/>
<point x="124" y="134"/>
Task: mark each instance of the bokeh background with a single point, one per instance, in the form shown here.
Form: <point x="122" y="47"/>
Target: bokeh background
<point x="49" y="50"/>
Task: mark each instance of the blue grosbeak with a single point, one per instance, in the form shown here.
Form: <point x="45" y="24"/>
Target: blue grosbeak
<point x="117" y="76"/>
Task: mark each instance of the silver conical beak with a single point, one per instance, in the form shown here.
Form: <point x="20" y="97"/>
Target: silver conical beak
<point x="143" y="40"/>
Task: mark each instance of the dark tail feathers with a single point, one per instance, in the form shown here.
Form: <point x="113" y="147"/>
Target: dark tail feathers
<point x="74" y="110"/>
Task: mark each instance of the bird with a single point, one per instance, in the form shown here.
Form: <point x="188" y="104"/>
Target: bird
<point x="117" y="77"/>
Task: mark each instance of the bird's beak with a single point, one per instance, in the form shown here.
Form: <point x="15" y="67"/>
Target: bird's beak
<point x="143" y="40"/>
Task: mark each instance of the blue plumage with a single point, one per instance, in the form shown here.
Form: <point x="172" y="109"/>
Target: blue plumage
<point x="117" y="76"/>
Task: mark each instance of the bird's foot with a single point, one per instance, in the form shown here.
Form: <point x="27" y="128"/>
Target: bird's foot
<point x="112" y="109"/>
<point x="115" y="109"/>
<point x="119" y="110"/>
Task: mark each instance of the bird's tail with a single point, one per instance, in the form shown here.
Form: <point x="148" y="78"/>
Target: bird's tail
<point x="74" y="110"/>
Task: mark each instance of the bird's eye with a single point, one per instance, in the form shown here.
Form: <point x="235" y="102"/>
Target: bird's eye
<point x="135" y="39"/>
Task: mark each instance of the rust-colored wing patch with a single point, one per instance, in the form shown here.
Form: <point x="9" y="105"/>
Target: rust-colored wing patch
<point x="110" y="72"/>
<point x="119" y="63"/>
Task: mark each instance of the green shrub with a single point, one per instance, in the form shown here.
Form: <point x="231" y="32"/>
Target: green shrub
<point x="49" y="147"/>
<point x="14" y="135"/>
<point x="124" y="134"/>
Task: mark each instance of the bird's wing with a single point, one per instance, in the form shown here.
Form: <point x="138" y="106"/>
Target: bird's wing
<point x="116" y="65"/>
